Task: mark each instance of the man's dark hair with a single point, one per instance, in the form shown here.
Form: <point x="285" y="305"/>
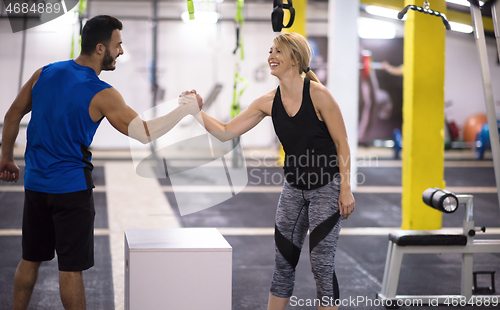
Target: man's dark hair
<point x="98" y="30"/>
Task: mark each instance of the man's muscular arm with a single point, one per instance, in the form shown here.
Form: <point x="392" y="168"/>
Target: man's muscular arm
<point x="110" y="103"/>
<point x="21" y="106"/>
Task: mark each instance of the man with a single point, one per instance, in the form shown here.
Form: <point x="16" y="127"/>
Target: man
<point x="68" y="102"/>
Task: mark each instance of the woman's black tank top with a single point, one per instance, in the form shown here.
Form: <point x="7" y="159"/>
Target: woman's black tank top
<point x="310" y="154"/>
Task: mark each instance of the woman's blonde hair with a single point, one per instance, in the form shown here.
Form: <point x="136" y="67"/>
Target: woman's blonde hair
<point x="295" y="46"/>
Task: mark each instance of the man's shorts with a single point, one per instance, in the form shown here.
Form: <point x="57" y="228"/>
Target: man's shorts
<point x="60" y="222"/>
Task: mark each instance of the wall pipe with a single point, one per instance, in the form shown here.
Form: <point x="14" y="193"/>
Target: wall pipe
<point x="23" y="52"/>
<point x="154" y="69"/>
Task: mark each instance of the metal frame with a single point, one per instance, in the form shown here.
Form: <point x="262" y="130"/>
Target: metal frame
<point x="395" y="258"/>
<point x="477" y="22"/>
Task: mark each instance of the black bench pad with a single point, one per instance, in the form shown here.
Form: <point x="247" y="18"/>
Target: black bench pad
<point x="427" y="237"/>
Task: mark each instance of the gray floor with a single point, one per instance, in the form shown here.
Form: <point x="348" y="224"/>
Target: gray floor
<point x="98" y="280"/>
<point x="359" y="260"/>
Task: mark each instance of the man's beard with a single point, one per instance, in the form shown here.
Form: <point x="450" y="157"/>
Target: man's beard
<point x="107" y="62"/>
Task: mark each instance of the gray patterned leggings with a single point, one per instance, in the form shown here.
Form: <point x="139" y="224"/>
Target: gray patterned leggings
<point x="298" y="211"/>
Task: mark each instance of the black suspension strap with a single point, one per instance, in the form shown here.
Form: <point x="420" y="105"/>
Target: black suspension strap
<point x="278" y="14"/>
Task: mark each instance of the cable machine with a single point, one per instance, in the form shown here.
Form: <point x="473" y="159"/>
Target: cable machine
<point x="445" y="241"/>
<point x="477" y="23"/>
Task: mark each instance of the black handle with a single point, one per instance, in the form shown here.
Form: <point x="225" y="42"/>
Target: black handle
<point x="403" y="12"/>
<point x="445" y="22"/>
<point x="237" y="40"/>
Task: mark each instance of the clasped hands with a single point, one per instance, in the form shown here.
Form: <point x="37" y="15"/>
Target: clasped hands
<point x="192" y="101"/>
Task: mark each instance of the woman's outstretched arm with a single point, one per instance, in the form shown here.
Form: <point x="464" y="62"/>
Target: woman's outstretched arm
<point x="242" y="123"/>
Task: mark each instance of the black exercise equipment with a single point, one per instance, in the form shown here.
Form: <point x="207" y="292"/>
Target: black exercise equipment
<point x="278" y="14"/>
<point x="425" y="10"/>
<point x="440" y="200"/>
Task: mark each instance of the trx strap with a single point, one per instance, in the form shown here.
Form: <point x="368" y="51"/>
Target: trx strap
<point x="235" y="107"/>
<point x="190" y="9"/>
<point x="237" y="160"/>
<point x="278" y="14"/>
<point x="239" y="20"/>
<point x="82" y="5"/>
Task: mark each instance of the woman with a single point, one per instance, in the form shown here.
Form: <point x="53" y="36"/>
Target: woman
<point x="317" y="189"/>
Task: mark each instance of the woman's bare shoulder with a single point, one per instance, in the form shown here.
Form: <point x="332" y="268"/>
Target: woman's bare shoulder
<point x="320" y="95"/>
<point x="267" y="97"/>
<point x="265" y="102"/>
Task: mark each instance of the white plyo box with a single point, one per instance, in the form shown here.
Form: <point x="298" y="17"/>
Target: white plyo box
<point x="177" y="268"/>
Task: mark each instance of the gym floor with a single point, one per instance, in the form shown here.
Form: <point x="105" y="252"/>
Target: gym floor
<point x="124" y="200"/>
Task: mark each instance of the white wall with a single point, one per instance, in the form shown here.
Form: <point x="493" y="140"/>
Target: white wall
<point x="463" y="83"/>
<point x="198" y="56"/>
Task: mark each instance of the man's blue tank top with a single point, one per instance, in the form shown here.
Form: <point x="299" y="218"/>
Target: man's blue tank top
<point x="60" y="130"/>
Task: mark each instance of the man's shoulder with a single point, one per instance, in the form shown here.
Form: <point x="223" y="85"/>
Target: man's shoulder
<point x="55" y="68"/>
<point x="109" y="94"/>
<point x="59" y="64"/>
<point x="47" y="73"/>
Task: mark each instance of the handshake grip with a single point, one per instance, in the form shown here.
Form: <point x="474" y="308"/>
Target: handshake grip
<point x="190" y="100"/>
<point x="148" y="131"/>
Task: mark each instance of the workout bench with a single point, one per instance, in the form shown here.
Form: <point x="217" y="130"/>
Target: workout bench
<point x="438" y="241"/>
